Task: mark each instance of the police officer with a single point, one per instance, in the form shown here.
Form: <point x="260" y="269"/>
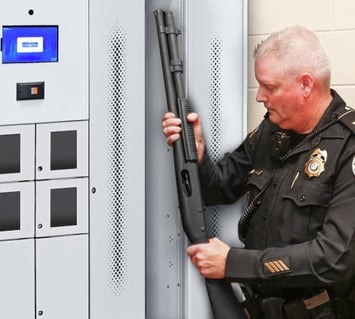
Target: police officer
<point x="298" y="169"/>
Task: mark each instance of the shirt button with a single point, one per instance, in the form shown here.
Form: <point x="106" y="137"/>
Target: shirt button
<point x="302" y="198"/>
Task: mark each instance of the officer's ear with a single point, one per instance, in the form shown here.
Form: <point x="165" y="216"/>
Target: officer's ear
<point x="307" y="83"/>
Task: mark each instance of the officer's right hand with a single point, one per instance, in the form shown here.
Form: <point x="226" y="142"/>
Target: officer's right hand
<point x="172" y="129"/>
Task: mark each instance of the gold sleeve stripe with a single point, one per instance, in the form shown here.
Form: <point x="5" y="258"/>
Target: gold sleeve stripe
<point x="276" y="266"/>
<point x="285" y="267"/>
<point x="280" y="266"/>
<point x="273" y="266"/>
<point x="267" y="265"/>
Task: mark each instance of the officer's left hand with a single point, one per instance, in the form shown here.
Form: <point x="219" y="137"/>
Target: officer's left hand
<point x="210" y="258"/>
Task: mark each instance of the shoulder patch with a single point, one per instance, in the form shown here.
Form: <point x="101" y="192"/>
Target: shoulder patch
<point x="348" y="119"/>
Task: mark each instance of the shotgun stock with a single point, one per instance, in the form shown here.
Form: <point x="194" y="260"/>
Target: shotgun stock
<point x="224" y="303"/>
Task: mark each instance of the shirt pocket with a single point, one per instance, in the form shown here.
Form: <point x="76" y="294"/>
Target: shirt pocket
<point x="257" y="185"/>
<point x="258" y="181"/>
<point x="303" y="210"/>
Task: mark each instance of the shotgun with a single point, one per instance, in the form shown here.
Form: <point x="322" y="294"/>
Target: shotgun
<point x="224" y="304"/>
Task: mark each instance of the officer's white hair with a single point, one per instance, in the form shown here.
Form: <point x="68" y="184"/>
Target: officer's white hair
<point x="301" y="51"/>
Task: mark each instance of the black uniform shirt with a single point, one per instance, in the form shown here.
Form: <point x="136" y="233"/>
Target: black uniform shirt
<point x="302" y="234"/>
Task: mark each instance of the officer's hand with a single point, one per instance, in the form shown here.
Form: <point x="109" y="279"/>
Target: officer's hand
<point x="210" y="258"/>
<point x="172" y="129"/>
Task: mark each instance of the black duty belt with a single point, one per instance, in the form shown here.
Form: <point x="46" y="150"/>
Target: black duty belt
<point x="319" y="306"/>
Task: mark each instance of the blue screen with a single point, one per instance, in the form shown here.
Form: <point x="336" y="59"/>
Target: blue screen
<point x="29" y="44"/>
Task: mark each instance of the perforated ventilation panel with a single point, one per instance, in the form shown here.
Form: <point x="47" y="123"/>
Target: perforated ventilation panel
<point x="117" y="126"/>
<point x="212" y="213"/>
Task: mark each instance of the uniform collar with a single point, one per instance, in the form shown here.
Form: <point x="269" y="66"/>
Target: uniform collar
<point x="325" y="127"/>
<point x="336" y="107"/>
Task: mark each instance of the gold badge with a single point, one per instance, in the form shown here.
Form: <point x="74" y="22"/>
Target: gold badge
<point x="315" y="166"/>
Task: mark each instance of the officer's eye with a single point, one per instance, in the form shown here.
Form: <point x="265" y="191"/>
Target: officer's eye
<point x="270" y="88"/>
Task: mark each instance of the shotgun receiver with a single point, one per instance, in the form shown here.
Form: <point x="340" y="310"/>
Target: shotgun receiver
<point x="223" y="301"/>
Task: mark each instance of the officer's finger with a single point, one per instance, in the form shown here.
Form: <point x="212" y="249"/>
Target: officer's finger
<point x="171" y="139"/>
<point x="174" y="121"/>
<point x="192" y="250"/>
<point x="192" y="117"/>
<point x="195" y="120"/>
<point x="170" y="118"/>
<point x="168" y="115"/>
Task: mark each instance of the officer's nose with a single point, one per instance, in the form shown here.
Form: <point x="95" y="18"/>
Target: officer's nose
<point x="261" y="96"/>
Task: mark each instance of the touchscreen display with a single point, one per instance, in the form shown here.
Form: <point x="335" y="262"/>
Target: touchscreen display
<point x="29" y="44"/>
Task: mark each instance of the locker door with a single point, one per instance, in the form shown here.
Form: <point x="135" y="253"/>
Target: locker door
<point x="17" y="214"/>
<point x="62" y="207"/>
<point x="17" y="153"/>
<point x="213" y="47"/>
<point x="62" y="277"/>
<point x="216" y="44"/>
<point x="117" y="159"/>
<point x="62" y="150"/>
<point x="17" y="293"/>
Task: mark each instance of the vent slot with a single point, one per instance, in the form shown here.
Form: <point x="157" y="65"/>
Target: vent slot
<point x="212" y="214"/>
<point x="118" y="203"/>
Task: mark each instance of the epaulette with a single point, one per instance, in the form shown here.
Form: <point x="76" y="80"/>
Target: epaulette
<point x="348" y="119"/>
